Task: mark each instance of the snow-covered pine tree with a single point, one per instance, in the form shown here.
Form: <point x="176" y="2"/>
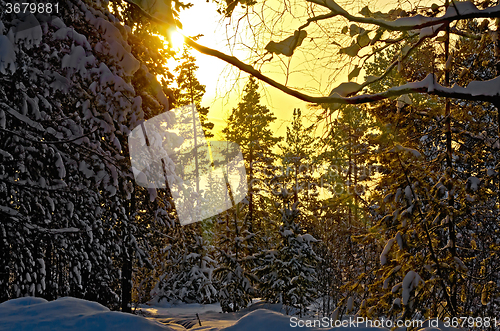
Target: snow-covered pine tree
<point x="233" y="274"/>
<point x="188" y="274"/>
<point x="296" y="156"/>
<point x="288" y="272"/>
<point x="405" y="172"/>
<point x="72" y="90"/>
<point x="306" y="173"/>
<point x="436" y="195"/>
<point x="249" y="126"/>
<point x="241" y="231"/>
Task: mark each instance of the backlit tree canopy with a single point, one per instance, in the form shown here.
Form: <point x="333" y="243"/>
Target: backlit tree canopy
<point x="326" y="27"/>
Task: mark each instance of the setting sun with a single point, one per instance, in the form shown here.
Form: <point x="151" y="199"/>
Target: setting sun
<point x="176" y="39"/>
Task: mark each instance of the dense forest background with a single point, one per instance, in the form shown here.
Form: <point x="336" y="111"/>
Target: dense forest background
<point x="383" y="209"/>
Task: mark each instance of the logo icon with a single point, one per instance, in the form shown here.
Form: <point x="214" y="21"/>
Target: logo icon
<point x="204" y="178"/>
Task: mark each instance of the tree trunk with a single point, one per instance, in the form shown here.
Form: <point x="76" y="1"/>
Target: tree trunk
<point x="250" y="191"/>
<point x="126" y="281"/>
<point x="449" y="169"/>
<point x="49" y="282"/>
<point x="4" y="265"/>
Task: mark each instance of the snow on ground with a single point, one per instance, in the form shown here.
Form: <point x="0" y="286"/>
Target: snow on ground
<point x="69" y="314"/>
<point x="175" y="315"/>
<point x="260" y="316"/>
<point x="80" y="315"/>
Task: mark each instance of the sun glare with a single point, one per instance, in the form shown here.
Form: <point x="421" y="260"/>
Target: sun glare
<point x="177" y="39"/>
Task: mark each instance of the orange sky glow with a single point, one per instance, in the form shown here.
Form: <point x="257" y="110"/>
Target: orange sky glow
<point x="314" y="68"/>
<point x="224" y="84"/>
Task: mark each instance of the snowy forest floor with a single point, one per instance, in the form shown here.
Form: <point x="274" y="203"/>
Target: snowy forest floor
<point x="259" y="316"/>
<point x="183" y="316"/>
<point x="69" y="313"/>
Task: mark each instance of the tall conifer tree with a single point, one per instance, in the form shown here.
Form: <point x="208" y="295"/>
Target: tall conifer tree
<point x="248" y="126"/>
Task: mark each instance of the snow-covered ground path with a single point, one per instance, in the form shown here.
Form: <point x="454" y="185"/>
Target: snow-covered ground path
<point x="210" y="316"/>
<point x="260" y="316"/>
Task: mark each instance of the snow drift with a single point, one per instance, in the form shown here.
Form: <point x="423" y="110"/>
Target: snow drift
<point x="67" y="313"/>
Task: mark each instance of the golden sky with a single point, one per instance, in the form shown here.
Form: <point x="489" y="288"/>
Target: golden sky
<point x="315" y="67"/>
<point x="224" y="84"/>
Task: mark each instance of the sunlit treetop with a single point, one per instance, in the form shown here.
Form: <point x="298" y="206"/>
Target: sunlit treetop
<point x="164" y="11"/>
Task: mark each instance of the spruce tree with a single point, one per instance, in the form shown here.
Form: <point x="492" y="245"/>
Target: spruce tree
<point x="187" y="275"/>
<point x="72" y="90"/>
<point x="288" y="272"/>
<point x="297" y="160"/>
<point x="247" y="126"/>
<point x="190" y="91"/>
<point x="434" y="199"/>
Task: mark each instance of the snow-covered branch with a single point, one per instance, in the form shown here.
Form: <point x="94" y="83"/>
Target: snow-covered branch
<point x="476" y="90"/>
<point x="459" y="11"/>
